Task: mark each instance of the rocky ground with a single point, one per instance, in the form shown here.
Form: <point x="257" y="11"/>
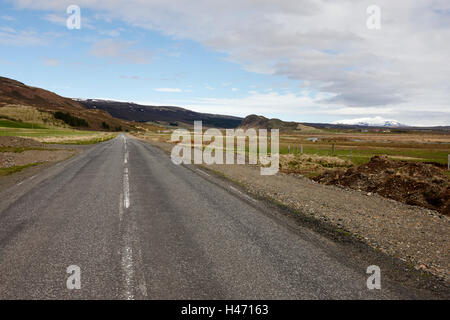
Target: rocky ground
<point x="15" y="151"/>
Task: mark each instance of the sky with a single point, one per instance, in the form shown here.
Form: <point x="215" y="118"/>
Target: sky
<point x="297" y="60"/>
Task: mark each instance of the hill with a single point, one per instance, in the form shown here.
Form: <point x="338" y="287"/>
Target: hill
<point x="260" y="122"/>
<point x="17" y="95"/>
<point x="159" y="114"/>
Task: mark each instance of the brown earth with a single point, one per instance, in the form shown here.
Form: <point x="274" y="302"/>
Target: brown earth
<point x="413" y="183"/>
<point x="19" y="142"/>
<point x="33" y="152"/>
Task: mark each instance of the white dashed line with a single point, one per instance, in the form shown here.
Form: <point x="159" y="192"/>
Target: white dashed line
<point x="126" y="190"/>
<point x="243" y="194"/>
<point x="203" y="172"/>
<point x="121" y="207"/>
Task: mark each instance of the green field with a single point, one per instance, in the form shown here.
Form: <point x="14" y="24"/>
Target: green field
<point x="15" y="124"/>
<point x="11" y="170"/>
<point x="20" y="132"/>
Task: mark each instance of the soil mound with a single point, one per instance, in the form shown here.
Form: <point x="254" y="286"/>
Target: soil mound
<point x="413" y="183"/>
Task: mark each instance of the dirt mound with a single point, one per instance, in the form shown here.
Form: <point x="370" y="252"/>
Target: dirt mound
<point x="413" y="183"/>
<point x="18" y="142"/>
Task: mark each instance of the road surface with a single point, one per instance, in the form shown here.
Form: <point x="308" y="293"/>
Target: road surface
<point x="140" y="227"/>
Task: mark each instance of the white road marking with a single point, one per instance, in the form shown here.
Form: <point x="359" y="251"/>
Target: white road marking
<point x="20" y="183"/>
<point x="125" y="160"/>
<point x="121" y="207"/>
<point x="126" y="191"/>
<point x="31" y="178"/>
<point x="243" y="194"/>
<point x="127" y="266"/>
<point x="131" y="255"/>
<point x="203" y="172"/>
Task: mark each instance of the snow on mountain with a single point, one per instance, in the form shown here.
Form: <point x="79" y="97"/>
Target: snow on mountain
<point x="371" y="122"/>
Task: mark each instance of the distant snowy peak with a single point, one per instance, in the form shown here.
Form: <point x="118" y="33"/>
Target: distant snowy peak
<point x="372" y="122"/>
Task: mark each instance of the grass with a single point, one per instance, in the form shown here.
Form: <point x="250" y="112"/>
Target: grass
<point x="87" y="141"/>
<point x="16" y="124"/>
<point x="11" y="170"/>
<point x="58" y="135"/>
<point x="22" y="149"/>
<point x="36" y="133"/>
<point x="27" y="114"/>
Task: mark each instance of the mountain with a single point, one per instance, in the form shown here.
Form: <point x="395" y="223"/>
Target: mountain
<point x="161" y="114"/>
<point x="16" y="93"/>
<point x="372" y="122"/>
<point x="260" y="122"/>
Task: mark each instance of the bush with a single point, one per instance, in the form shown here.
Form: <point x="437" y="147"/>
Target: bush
<point x="71" y="120"/>
<point x="105" y="125"/>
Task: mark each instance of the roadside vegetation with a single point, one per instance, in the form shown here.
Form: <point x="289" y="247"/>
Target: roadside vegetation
<point x="14" y="169"/>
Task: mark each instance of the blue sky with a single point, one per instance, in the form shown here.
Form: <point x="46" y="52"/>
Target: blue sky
<point x="295" y="60"/>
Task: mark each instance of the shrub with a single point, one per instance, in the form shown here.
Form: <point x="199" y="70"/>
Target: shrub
<point x="71" y="120"/>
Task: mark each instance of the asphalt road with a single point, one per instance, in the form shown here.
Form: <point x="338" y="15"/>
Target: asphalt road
<point x="140" y="227"/>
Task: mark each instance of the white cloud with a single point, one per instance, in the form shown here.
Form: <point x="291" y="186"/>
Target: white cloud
<point x="234" y="89"/>
<point x="120" y="51"/>
<point x="51" y="62"/>
<point x="8" y="18"/>
<point x="21" y="38"/>
<point x="168" y="89"/>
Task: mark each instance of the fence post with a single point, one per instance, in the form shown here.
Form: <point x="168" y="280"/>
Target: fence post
<point x="301" y="149"/>
<point x="332" y="149"/>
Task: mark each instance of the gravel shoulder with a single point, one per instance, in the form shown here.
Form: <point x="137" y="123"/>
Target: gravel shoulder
<point x="29" y="157"/>
<point x="417" y="236"/>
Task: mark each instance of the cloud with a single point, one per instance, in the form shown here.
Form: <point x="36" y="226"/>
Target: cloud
<point x="51" y="62"/>
<point x="168" y="89"/>
<point x="120" y="51"/>
<point x="234" y="89"/>
<point x="130" y="77"/>
<point x="8" y="18"/>
<point x="21" y="38"/>
<point x="324" y="45"/>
